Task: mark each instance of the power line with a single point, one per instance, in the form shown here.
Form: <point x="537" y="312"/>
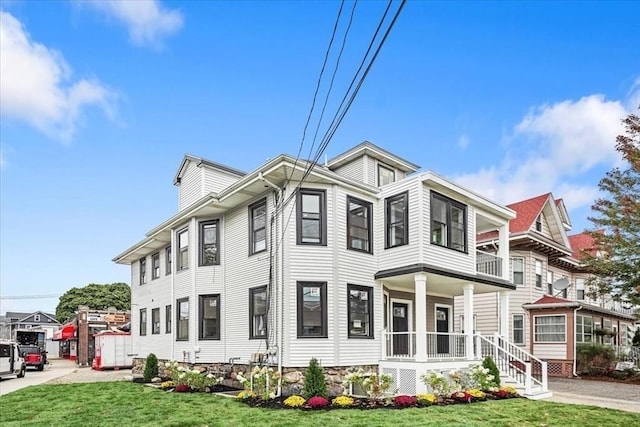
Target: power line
<point x="30" y="296"/>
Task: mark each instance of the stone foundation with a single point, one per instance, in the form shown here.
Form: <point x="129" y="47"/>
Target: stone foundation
<point x="293" y="378"/>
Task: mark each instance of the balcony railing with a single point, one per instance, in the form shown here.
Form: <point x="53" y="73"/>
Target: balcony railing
<point x="402" y="345"/>
<point x="488" y="264"/>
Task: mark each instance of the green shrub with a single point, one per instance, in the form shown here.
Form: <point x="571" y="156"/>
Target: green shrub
<point x="314" y="384"/>
<point x="150" y="367"/>
<point x="594" y="358"/>
<point x="493" y="369"/>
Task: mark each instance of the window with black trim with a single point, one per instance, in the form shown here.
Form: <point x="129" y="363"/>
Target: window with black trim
<point x="518" y="328"/>
<point x="538" y="267"/>
<point x="167" y="319"/>
<point x="311" y="212"/>
<point x="258" y="312"/>
<point x="209" y="317"/>
<point x="360" y="314"/>
<point x="359" y="225"/>
<point x="258" y="227"/>
<point x="183" y="250"/>
<point x="209" y="239"/>
<point x="517" y="271"/>
<point x="143" y="271"/>
<point x="155" y="266"/>
<point x="385" y="175"/>
<point x="448" y="223"/>
<point x="182" y="319"/>
<point x="312" y="309"/>
<point x="155" y="321"/>
<point x="143" y="321"/>
<point x="167" y="260"/>
<point x="396" y="220"/>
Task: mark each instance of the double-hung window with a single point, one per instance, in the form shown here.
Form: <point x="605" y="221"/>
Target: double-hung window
<point x="580" y="289"/>
<point x="518" y="328"/>
<point x="167" y="319"/>
<point x="517" y="271"/>
<point x="155" y="321"/>
<point x="385" y="175"/>
<point x="312" y="309"/>
<point x="539" y="223"/>
<point x="360" y="311"/>
<point x="550" y="282"/>
<point x="448" y="223"/>
<point x="143" y="271"/>
<point x="258" y="312"/>
<point x="143" y="321"/>
<point x="209" y="243"/>
<point x="584" y="328"/>
<point x="550" y="328"/>
<point x="311" y="212"/>
<point x="397" y="220"/>
<point x="538" y="267"/>
<point x="209" y="317"/>
<point x="155" y="266"/>
<point x="182" y="319"/>
<point x="183" y="250"/>
<point x="359" y="225"/>
<point x="258" y="227"/>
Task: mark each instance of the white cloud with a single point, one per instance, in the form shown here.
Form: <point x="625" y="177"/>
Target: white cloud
<point x="146" y="20"/>
<point x="551" y="149"/>
<point x="32" y="84"/>
<point x="463" y="141"/>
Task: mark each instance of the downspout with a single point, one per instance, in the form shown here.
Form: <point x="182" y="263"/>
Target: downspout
<point x="277" y="291"/>
<point x="575" y="344"/>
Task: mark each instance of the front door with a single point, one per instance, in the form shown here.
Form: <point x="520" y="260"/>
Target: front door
<point x="442" y="326"/>
<point x="400" y="313"/>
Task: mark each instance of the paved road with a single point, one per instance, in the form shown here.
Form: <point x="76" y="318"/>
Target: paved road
<point x="57" y="368"/>
<point x="625" y="397"/>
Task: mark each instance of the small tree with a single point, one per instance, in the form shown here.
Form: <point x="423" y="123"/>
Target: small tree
<point x="493" y="369"/>
<point x="314" y="384"/>
<point x="636" y="338"/>
<point x="150" y="367"/>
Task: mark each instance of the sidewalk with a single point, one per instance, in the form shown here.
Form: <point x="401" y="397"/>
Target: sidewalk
<point x="86" y="374"/>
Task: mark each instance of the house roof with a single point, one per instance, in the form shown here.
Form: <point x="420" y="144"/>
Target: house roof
<point x="199" y="161"/>
<point x="527" y="211"/>
<point x="376" y="152"/>
<point x="22" y="316"/>
<point x="549" y="302"/>
<point x="582" y="242"/>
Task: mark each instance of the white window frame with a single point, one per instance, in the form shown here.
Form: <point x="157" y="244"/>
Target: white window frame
<point x="580" y="287"/>
<point x="535" y="330"/>
<point x="513" y="329"/>
<point x="524" y="269"/>
<point x="538" y="266"/>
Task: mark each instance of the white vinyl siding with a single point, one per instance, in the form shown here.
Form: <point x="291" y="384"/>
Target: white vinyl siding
<point x="353" y="170"/>
<point x="190" y="187"/>
<point x="216" y="180"/>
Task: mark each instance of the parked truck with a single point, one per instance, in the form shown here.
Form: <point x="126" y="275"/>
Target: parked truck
<point x="33" y="338"/>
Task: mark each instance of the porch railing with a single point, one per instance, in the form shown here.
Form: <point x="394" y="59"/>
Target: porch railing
<point x="510" y="359"/>
<point x="440" y="345"/>
<point x="488" y="264"/>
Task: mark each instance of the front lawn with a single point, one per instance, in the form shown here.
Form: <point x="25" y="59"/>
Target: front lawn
<point x="123" y="403"/>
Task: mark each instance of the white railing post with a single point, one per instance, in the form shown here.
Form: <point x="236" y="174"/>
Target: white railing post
<point x="527" y="378"/>
<point x="543" y="367"/>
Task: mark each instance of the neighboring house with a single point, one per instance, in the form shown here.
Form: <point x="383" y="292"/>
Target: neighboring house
<point x="39" y="320"/>
<point x="551" y="310"/>
<point x="356" y="263"/>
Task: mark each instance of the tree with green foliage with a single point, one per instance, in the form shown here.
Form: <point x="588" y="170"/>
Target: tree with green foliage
<point x="615" y="258"/>
<point x="636" y="338"/>
<point x="95" y="296"/>
<point x="314" y="384"/>
<point x="150" y="367"/>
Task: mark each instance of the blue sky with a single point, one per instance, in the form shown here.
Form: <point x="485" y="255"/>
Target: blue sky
<point x="100" y="101"/>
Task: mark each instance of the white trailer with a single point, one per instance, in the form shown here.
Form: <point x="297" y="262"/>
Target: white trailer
<point x="112" y="350"/>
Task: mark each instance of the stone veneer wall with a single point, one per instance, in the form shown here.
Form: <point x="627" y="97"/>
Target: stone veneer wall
<point x="293" y="378"/>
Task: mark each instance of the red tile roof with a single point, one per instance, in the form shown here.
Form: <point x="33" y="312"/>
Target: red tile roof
<point x="582" y="242"/>
<point x="547" y="299"/>
<point x="526" y="213"/>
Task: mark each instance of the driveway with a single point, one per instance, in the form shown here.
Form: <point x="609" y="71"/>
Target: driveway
<point x="55" y="369"/>
<point x="625" y="397"/>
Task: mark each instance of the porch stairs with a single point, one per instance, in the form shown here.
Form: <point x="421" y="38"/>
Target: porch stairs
<point x="518" y="368"/>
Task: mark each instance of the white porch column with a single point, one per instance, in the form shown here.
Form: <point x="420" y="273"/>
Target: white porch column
<point x="503" y="250"/>
<point x="468" y="320"/>
<point x="504" y="314"/>
<point x="420" y="285"/>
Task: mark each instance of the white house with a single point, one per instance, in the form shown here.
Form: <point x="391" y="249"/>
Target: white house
<point x="355" y="262"/>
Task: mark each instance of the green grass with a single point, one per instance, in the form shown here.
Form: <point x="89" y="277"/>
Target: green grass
<point x="128" y="404"/>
